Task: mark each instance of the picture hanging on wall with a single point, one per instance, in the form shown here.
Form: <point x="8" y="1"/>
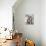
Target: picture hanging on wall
<point x="29" y="19"/>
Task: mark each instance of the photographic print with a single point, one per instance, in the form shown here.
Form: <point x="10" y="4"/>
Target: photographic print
<point x="29" y="19"/>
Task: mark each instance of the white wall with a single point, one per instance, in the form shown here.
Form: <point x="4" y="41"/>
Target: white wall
<point x="43" y="22"/>
<point x="6" y="13"/>
<point x="29" y="31"/>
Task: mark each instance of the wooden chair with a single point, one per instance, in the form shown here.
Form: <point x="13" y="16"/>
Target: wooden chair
<point x="18" y="39"/>
<point x="29" y="43"/>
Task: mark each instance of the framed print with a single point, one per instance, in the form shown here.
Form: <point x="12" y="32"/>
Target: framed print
<point x="29" y="19"/>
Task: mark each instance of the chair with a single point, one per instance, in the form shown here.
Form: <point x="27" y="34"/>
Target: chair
<point x="29" y="43"/>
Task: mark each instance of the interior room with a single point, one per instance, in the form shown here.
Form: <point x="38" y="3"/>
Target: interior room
<point x="22" y="22"/>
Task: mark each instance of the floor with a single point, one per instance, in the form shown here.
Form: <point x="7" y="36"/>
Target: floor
<point x="9" y="43"/>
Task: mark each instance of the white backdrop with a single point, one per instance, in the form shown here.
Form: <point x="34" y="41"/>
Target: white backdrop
<point x="6" y="13"/>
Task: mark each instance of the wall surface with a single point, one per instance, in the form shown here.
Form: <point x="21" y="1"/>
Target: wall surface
<point x="6" y="13"/>
<point x="29" y="31"/>
<point x="43" y="22"/>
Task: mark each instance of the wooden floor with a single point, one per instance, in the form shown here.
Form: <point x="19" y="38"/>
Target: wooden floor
<point x="9" y="43"/>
